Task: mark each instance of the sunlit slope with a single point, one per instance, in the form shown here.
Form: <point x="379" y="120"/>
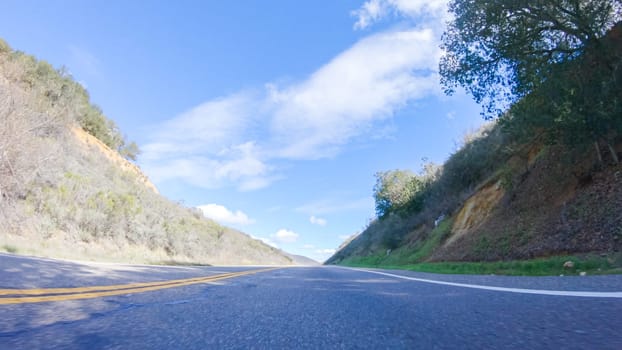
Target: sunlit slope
<point x="68" y="187"/>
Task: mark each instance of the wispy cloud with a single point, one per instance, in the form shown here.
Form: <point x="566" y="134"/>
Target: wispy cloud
<point x="223" y="215"/>
<point x="317" y="221"/>
<point x="285" y="236"/>
<point x="267" y="241"/>
<point x="211" y="128"/>
<point x="237" y="140"/>
<point x="210" y="146"/>
<point x="360" y="87"/>
<point x="373" y="11"/>
<point x="370" y="12"/>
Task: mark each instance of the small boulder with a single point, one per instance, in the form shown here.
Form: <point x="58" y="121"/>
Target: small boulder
<point x="568" y="264"/>
<point x="582" y="273"/>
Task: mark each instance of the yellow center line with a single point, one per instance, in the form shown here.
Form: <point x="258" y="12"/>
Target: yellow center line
<point x="46" y="291"/>
<point x="117" y="290"/>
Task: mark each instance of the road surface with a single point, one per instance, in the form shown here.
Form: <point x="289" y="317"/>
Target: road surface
<point x="101" y="306"/>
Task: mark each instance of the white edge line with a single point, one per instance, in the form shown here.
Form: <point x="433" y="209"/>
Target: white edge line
<point x="504" y="289"/>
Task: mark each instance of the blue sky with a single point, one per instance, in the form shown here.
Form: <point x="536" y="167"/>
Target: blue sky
<point x="272" y="116"/>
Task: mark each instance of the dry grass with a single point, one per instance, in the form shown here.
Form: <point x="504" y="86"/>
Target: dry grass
<point x="59" y="197"/>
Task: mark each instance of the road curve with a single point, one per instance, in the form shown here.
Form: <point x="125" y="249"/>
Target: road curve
<point x="303" y="307"/>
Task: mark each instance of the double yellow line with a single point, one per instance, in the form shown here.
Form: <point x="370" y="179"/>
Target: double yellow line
<point x="22" y="296"/>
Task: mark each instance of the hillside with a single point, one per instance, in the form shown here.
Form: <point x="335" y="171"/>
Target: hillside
<point x="302" y="260"/>
<point x="543" y="180"/>
<point x="539" y="203"/>
<point x="69" y="190"/>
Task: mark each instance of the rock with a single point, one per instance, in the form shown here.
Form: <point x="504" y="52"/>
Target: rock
<point x="568" y="264"/>
<point x="582" y="273"/>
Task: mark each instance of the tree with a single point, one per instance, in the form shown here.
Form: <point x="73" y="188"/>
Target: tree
<point x="130" y="151"/>
<point x="581" y="102"/>
<point x="394" y="190"/>
<point x="500" y="51"/>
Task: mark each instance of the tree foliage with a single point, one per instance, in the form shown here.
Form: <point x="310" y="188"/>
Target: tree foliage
<point x="500" y="51"/>
<point x="402" y="191"/>
<point x="581" y="102"/>
<point x="394" y="189"/>
<point x="130" y="151"/>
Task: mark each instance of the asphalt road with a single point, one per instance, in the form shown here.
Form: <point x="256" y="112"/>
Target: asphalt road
<point x="301" y="307"/>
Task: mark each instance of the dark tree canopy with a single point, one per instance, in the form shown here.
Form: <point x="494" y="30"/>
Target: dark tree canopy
<point x="502" y="50"/>
<point x="581" y="102"/>
<point x="395" y="191"/>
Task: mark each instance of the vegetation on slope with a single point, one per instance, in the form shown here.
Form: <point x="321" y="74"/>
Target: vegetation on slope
<point x="61" y="198"/>
<point x="544" y="178"/>
<point x="58" y="88"/>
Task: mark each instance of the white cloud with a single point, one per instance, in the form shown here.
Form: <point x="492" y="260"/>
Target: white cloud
<point x="221" y="214"/>
<point x="238" y="139"/>
<point x="308" y="246"/>
<point x="345" y="98"/>
<point x="371" y="11"/>
<point x="211" y="127"/>
<point x="317" y="221"/>
<point x="375" y="10"/>
<point x="285" y="236"/>
<point x="267" y="241"/>
<point x="326" y="251"/>
<point x="209" y="146"/>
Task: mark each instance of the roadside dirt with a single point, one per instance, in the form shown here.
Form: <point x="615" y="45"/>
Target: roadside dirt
<point x="559" y="205"/>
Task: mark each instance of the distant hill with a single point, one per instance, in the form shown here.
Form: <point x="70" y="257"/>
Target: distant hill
<point x="302" y="260"/>
<point x="68" y="188"/>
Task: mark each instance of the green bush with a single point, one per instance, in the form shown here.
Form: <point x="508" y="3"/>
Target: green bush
<point x="58" y="87"/>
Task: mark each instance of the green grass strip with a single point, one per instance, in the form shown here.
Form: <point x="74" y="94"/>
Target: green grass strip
<point x="590" y="264"/>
